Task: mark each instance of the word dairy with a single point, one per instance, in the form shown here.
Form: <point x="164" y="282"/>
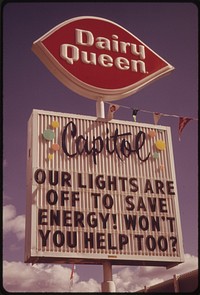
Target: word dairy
<point x="72" y="53"/>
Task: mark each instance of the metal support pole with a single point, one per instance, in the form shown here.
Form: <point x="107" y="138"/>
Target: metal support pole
<point x="108" y="285"/>
<point x="100" y="112"/>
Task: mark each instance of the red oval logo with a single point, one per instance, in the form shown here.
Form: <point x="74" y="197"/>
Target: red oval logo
<point x="97" y="58"/>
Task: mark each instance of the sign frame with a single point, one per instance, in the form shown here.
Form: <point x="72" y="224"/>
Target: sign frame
<point x="31" y="252"/>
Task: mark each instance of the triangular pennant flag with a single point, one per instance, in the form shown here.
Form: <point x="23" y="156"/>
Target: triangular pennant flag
<point x="182" y="123"/>
<point x="156" y="117"/>
<point x="71" y="277"/>
<point x="134" y="114"/>
<point x="112" y="109"/>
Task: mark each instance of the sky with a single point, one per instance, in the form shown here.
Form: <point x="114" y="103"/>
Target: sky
<point x="171" y="30"/>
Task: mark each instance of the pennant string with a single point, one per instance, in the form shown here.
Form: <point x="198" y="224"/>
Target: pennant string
<point x="150" y="112"/>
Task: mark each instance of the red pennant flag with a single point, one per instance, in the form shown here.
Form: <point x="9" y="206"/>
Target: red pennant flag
<point x="182" y="123"/>
<point x="72" y="277"/>
<point x="72" y="272"/>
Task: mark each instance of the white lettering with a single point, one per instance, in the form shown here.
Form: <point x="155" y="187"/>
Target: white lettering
<point x="134" y="66"/>
<point x="69" y="52"/>
<point x="105" y="60"/>
<point x="102" y="43"/>
<point x="85" y="60"/>
<point x="123" y="46"/>
<point x="72" y="53"/>
<point x="122" y="63"/>
<point x="115" y="44"/>
<point x="141" y="51"/>
<point x="84" y="37"/>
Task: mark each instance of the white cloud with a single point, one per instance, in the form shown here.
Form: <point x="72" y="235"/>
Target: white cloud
<point x="129" y="280"/>
<point x="89" y="286"/>
<point x="12" y="222"/>
<point x="132" y="280"/>
<point x="21" y="277"/>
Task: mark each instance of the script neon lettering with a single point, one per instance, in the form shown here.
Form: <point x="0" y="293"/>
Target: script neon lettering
<point x="74" y="144"/>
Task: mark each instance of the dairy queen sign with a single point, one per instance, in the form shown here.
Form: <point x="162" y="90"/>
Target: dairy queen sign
<point x="97" y="58"/>
<point x="97" y="189"/>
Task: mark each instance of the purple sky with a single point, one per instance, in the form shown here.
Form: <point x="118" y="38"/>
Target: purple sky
<point x="171" y="30"/>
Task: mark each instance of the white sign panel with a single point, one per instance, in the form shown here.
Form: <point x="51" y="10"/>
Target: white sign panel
<point x="99" y="190"/>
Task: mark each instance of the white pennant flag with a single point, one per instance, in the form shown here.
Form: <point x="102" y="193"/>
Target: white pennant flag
<point x="156" y="117"/>
<point x="112" y="109"/>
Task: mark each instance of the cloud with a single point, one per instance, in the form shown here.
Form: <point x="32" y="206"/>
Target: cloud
<point x="12" y="222"/>
<point x="6" y="199"/>
<point x="89" y="286"/>
<point x="129" y="280"/>
<point x="5" y="163"/>
<point x="21" y="277"/>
